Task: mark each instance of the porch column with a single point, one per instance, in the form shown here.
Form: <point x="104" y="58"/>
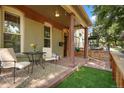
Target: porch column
<point x="71" y="39"/>
<point x="85" y="43"/>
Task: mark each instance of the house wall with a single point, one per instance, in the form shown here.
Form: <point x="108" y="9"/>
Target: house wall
<point x="0" y="27"/>
<point x="34" y="33"/>
<point x="57" y="37"/>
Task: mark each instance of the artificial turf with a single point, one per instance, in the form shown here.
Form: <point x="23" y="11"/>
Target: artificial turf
<point x="88" y="77"/>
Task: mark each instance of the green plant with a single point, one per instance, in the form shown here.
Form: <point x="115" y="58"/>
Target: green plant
<point x="77" y="49"/>
<point x="34" y="46"/>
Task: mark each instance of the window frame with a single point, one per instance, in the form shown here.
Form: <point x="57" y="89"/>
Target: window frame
<point x="14" y="12"/>
<point x="50" y="38"/>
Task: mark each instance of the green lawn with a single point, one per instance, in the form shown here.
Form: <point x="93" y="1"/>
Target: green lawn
<point x="88" y="78"/>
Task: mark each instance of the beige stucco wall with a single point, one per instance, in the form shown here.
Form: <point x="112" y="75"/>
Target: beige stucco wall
<point x="34" y="33"/>
<point x="57" y="36"/>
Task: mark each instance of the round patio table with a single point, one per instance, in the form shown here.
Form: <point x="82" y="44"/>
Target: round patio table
<point x="36" y="57"/>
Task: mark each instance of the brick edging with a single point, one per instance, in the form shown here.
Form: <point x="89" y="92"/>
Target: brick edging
<point x="54" y="82"/>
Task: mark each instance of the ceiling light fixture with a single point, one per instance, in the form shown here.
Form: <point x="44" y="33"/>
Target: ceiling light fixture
<point x="57" y="14"/>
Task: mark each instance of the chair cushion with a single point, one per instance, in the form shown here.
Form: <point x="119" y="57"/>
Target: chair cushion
<point x="48" y="52"/>
<point x="22" y="65"/>
<point x="7" y="54"/>
<point x="7" y="64"/>
<point x="50" y="58"/>
<point x="19" y="65"/>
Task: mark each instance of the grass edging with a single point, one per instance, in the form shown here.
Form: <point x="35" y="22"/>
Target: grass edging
<point x="63" y="77"/>
<point x="89" y="77"/>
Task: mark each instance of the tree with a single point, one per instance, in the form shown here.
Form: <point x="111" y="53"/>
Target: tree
<point x="109" y="23"/>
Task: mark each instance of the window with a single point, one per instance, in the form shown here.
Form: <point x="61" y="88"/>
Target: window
<point x="47" y="36"/>
<point x="12" y="31"/>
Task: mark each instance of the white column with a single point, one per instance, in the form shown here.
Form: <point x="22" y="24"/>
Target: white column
<point x="85" y="43"/>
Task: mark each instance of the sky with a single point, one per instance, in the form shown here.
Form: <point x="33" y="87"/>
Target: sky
<point x="89" y="10"/>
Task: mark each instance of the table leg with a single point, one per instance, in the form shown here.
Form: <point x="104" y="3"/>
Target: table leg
<point x="33" y="62"/>
<point x="41" y="65"/>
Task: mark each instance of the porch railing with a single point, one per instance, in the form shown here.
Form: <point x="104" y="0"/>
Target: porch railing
<point x="96" y="54"/>
<point x="117" y="66"/>
<point x="99" y="54"/>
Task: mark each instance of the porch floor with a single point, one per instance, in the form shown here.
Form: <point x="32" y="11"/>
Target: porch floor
<point x="53" y="73"/>
<point x="90" y="62"/>
<point x="39" y="78"/>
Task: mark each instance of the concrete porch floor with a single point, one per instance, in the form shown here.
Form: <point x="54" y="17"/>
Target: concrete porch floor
<point x="90" y="62"/>
<point x="53" y="73"/>
<point x="40" y="77"/>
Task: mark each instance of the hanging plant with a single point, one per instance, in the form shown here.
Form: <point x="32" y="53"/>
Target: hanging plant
<point x="77" y="49"/>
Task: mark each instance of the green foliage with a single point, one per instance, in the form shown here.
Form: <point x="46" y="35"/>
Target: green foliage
<point x="109" y="23"/>
<point x="77" y="49"/>
<point x="89" y="78"/>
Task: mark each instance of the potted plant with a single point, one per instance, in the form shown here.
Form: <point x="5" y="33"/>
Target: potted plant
<point x="34" y="46"/>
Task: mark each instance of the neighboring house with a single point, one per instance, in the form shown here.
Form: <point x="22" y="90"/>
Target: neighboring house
<point x="45" y="25"/>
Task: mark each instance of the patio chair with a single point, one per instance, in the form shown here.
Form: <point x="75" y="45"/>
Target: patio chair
<point x="49" y="56"/>
<point x="8" y="60"/>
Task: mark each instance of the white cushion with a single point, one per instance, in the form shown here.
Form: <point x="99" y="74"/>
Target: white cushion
<point x="48" y="55"/>
<point x="22" y="65"/>
<point x="7" y="54"/>
<point x="19" y="65"/>
<point x="50" y="58"/>
<point x="48" y="52"/>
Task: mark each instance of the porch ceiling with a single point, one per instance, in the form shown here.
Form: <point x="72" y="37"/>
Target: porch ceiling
<point x="49" y="12"/>
<point x="79" y="13"/>
<point x="46" y="13"/>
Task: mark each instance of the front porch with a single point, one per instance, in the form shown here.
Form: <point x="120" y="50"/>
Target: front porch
<point x="38" y="25"/>
<point x="53" y="74"/>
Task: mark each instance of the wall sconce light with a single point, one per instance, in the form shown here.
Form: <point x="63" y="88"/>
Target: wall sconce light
<point x="57" y="14"/>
